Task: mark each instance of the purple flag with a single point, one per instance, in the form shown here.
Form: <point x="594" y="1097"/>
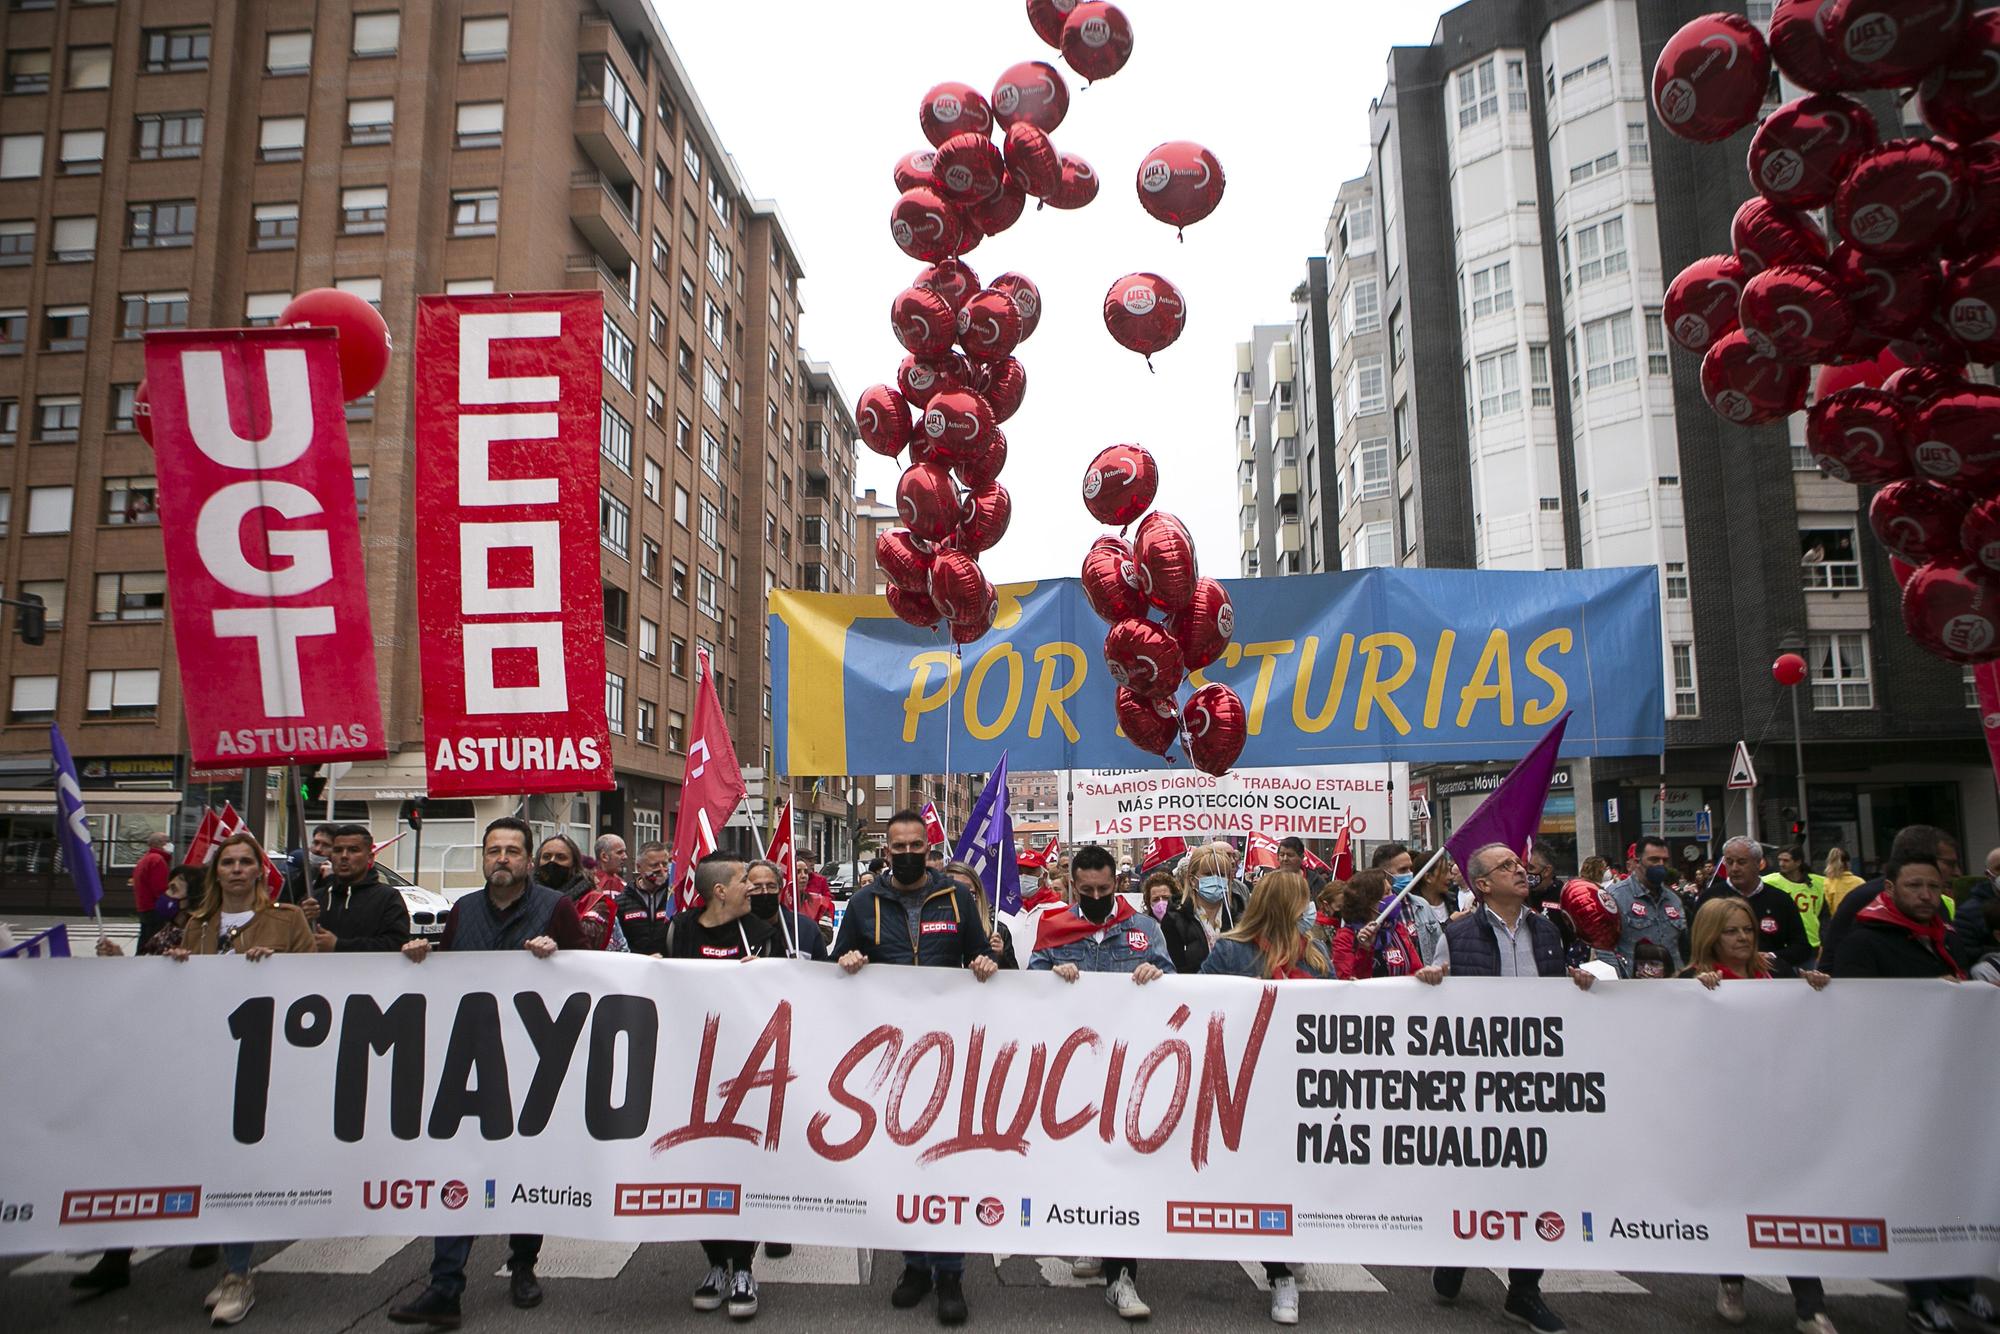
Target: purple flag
<point x="1511" y="812"/>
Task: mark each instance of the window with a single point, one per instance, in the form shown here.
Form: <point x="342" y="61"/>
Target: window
<point x="1597" y="66"/>
<point x="1596" y="166"/>
<point x="1828" y="559"/>
<point x="1478" y="97"/>
<point x="708" y="595"/>
<point x="475" y="212"/>
<point x="51" y="592"/>
<point x="483" y="39"/>
<point x="17" y="243"/>
<point x="133" y="693"/>
<point x="468" y="287"/>
<point x="1839" y="667"/>
<point x="687" y="294"/>
<point x="1517" y="85"/>
<point x="34" y="700"/>
<point x="1406" y="519"/>
<point x="1608" y="350"/>
<point x="371" y="120"/>
<point x="165" y="225"/>
<point x="660" y="253"/>
<point x="49" y="509"/>
<point x="595" y="76"/>
<point x="1656" y="343"/>
<point x="649" y="640"/>
<point x="651" y="477"/>
<point x="1677" y="581"/>
<point x="65" y="329"/>
<point x="82" y="152"/>
<point x="479" y="124"/>
<point x="711" y="524"/>
<point x="1369" y="390"/>
<point x="618" y="353"/>
<point x="368" y="289"/>
<point x="1374" y="547"/>
<point x="676" y="730"/>
<point x="711" y="386"/>
<point x="1363" y="307"/>
<point x="614" y="523"/>
<point x="1499" y="383"/>
<point x="263" y="308"/>
<point x="663" y="180"/>
<point x="714" y="323"/>
<point x="1493" y="289"/>
<point x="171" y="49"/>
<point x="1687" y="702"/>
<point x="656" y="404"/>
<point x="13" y="332"/>
<point x="72" y="240"/>
<point x="281" y="138"/>
<point x="1638" y="149"/>
<point x="1371" y="470"/>
<point x="58" y="417"/>
<point x="1402" y="428"/>
<point x="614" y="437"/>
<point x="1541" y="389"/>
<point x="677" y="656"/>
<point x="10" y="429"/>
<point x="711" y="454"/>
<point x="129" y="501"/>
<point x="361" y="480"/>
<point x="89" y="67"/>
<point x="170" y="134"/>
<point x="131" y="596"/>
<point x="20" y="156"/>
<point x="680" y="505"/>
<point x="691" y="158"/>
<point x="377" y="34"/>
<point x="275" y="226"/>
<point x="6" y="510"/>
<point x="617" y="610"/>
<point x="649" y="560"/>
<point x="718" y="259"/>
<point x="28" y="71"/>
<point x="1600" y="250"/>
<point x="288" y="52"/>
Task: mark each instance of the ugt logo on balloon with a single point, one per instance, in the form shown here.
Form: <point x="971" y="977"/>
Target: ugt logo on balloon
<point x="263" y="546"/>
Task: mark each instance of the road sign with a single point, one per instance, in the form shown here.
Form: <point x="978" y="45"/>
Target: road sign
<point x="1611" y="810"/>
<point x="1703" y="829"/>
<point x="1742" y="774"/>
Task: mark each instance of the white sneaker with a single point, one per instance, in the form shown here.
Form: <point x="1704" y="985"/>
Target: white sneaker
<point x="1815" y="1324"/>
<point x="236" y="1299"/>
<point x="215" y="1293"/>
<point x="1285" y="1300"/>
<point x="1729" y="1301"/>
<point x="1123" y="1297"/>
<point x="1086" y="1266"/>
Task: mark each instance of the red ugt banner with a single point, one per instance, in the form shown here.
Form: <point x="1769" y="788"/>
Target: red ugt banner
<point x="509" y="602"/>
<point x="263" y="547"/>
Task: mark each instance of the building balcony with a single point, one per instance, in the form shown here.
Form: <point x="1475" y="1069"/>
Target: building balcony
<point x="1250" y="538"/>
<point x="1247" y="492"/>
<point x="583" y="272"/>
<point x="1245" y="403"/>
<point x="1246" y="446"/>
<point x="1291" y="537"/>
<point x="1287" y="482"/>
<point x="596" y="126"/>
<point x="1284" y="423"/>
<point x="604" y="218"/>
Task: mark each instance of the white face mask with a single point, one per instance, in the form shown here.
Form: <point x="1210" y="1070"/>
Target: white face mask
<point x="167" y="848"/>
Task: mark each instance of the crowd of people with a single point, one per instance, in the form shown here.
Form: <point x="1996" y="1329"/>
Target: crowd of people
<point x="1409" y="914"/>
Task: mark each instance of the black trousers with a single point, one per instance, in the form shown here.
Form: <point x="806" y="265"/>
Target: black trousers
<point x="730" y="1254"/>
<point x="1518" y="1280"/>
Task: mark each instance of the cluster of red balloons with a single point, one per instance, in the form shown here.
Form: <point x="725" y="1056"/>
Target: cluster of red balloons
<point x="1126" y="582"/>
<point x="363" y="346"/>
<point x="1892" y="303"/>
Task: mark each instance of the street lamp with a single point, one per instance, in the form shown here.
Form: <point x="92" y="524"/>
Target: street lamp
<point x="1790" y="670"/>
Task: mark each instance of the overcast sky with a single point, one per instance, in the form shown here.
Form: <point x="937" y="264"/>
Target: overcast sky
<point x="816" y="101"/>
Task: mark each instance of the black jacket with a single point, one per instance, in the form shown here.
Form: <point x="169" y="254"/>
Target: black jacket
<point x="1833" y="931"/>
<point x="366" y="915"/>
<point x="644" y="918"/>
<point x="876" y="923"/>
<point x="1780" y="929"/>
<point x="807" y="938"/>
<point x="1883" y="949"/>
<point x="1187" y="943"/>
<point x="685" y="936"/>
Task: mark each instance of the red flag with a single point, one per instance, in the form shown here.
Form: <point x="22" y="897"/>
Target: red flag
<point x="1263" y="852"/>
<point x="781" y="848"/>
<point x="1986" y="684"/>
<point x="1051" y="852"/>
<point x="1343" y="855"/>
<point x="933" y="826"/>
<point x="1312" y="863"/>
<point x="1162" y="851"/>
<point x="205" y="835"/>
<point x="711" y="789"/>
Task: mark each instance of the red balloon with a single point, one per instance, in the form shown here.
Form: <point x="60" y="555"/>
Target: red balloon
<point x="923" y="321"/>
<point x="966" y="629"/>
<point x="970" y="232"/>
<point x="142" y="411"/>
<point x="1901" y="570"/>
<point x="1164" y="554"/>
<point x="1979" y="222"/>
<point x="1111" y="580"/>
<point x="1003" y="384"/>
<point x="1048" y="17"/>
<point x="1031" y="93"/>
<point x="1763" y="234"/>
<point x="1887" y="296"/>
<point x="1869" y="374"/>
<point x="1958" y="437"/>
<point x="925" y="227"/>
<point x="1180" y="183"/>
<point x="1931" y="344"/>
<point x="1805" y="148"/>
<point x="958" y="586"/>
<point x="954" y="108"/>
<point x="1144" y="312"/>
<point x="1077" y="187"/>
<point x="1901" y="198"/>
<point x="1746" y="386"/>
<point x="1204" y="630"/>
<point x="927" y="502"/>
<point x="883" y="417"/>
<point x="952" y="279"/>
<point x="969" y="168"/>
<point x="921" y="378"/>
<point x="1032" y="160"/>
<point x="989" y="327"/>
<point x="981" y="465"/>
<point x="1003" y="210"/>
<point x="1979" y="535"/>
<point x="1120" y="484"/>
<point x="1789" y="669"/>
<point x="905" y="560"/>
<point x="916" y="169"/>
<point x="1919" y="520"/>
<point x="1860" y="435"/>
<point x="1027" y="299"/>
<point x="955" y="422"/>
<point x="1952" y="611"/>
<point x="1143" y="658"/>
<point x="1794" y="313"/>
<point x="1891" y="43"/>
<point x="1710" y="78"/>
<point x="1799" y="46"/>
<point x="1097" y="39"/>
<point x="1972" y="305"/>
<point x="364" y="338"/>
<point x="1149" y="724"/>
<point x="1917" y="387"/>
<point x="1702" y="300"/>
<point x="986" y="514"/>
<point x="914" y="608"/>
<point x="1961" y="97"/>
<point x="1217" y="726"/>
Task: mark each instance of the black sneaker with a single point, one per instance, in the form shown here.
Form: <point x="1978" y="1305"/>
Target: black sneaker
<point x="112" y="1271"/>
<point x="201" y="1257"/>
<point x="524" y="1288"/>
<point x="777" y="1250"/>
<point x="1528" y="1308"/>
<point x="951" y="1297"/>
<point x="429" y="1307"/>
<point x="1446" y="1284"/>
<point x="742" y="1295"/>
<point x="708" y="1297"/>
<point x="911" y="1288"/>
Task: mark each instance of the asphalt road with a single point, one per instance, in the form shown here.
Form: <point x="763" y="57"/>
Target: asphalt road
<point x="610" y="1287"/>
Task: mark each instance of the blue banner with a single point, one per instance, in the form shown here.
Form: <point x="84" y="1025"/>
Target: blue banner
<point x="1399" y="664"/>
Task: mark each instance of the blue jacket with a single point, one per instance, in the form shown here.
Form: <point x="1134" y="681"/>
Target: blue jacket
<point x="1125" y="945"/>
<point x="877" y="924"/>
<point x="1236" y="958"/>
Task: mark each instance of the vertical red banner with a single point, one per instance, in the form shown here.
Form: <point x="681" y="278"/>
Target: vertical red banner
<point x="263" y="547"/>
<point x="1986" y="682"/>
<point x="509" y="594"/>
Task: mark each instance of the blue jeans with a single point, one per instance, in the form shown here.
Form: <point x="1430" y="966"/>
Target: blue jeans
<point x="937" y="1262"/>
<point x="449" y="1254"/>
<point x="236" y="1257"/>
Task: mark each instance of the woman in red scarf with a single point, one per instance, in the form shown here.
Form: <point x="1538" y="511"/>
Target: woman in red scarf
<point x="1365" y="948"/>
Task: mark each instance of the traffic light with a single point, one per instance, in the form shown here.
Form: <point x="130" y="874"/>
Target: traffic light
<point x="312" y="783"/>
<point x="33" y="619"/>
<point x="413" y="813"/>
<point x="1795" y="826"/>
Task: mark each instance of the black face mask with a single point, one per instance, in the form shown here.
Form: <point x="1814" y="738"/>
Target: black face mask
<point x="764" y="905"/>
<point x="553" y="874"/>
<point x="1096" y="909"/>
<point x="908" y="867"/>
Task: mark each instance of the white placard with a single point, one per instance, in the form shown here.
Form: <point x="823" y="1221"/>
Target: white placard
<point x="1315" y="803"/>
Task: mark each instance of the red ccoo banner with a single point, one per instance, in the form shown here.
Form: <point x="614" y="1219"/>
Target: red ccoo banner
<point x="263" y="547"/>
<point x="509" y="600"/>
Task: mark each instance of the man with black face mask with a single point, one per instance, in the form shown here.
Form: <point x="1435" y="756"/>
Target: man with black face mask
<point x="799" y="932"/>
<point x="559" y="865"/>
<point x="647" y="904"/>
<point x="1649" y="909"/>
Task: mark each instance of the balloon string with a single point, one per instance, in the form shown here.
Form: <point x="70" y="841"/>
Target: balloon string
<point x="1149" y="367"/>
<point x="1180" y="234"/>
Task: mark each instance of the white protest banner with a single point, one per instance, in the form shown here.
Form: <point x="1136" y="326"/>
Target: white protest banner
<point x="1313" y="802"/>
<point x="1482" y="1122"/>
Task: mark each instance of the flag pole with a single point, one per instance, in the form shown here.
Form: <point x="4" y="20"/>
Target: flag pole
<point x="1404" y="892"/>
<point x="791" y="950"/>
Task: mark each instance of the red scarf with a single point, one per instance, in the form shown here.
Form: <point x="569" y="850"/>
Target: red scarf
<point x="1323" y="919"/>
<point x="1054" y="929"/>
<point x="1724" y="970"/>
<point x="1042" y="897"/>
<point x="1931" y="933"/>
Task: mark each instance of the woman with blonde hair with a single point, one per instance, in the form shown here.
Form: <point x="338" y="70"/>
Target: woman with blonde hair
<point x="997" y="934"/>
<point x="1840" y="877"/>
<point x="1207" y="906"/>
